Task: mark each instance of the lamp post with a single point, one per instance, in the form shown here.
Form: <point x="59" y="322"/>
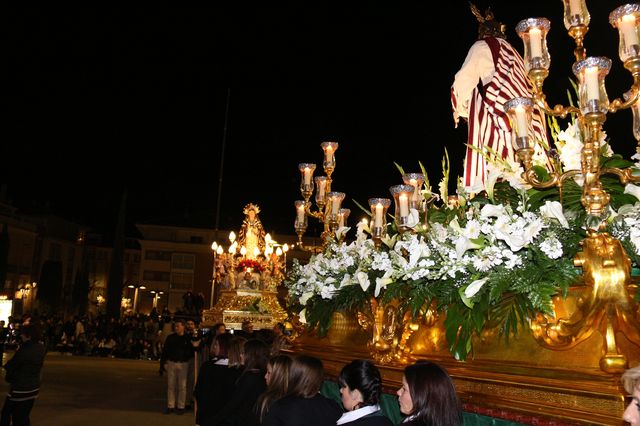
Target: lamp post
<point x="135" y="295"/>
<point x="156" y="296"/>
<point x="217" y="250"/>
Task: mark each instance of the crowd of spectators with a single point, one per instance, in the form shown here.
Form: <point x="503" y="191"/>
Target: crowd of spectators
<point x="133" y="336"/>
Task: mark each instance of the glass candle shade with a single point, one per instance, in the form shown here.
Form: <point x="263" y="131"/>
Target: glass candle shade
<point x="321" y="189"/>
<point x="301" y="216"/>
<point x="306" y="184"/>
<point x="635" y="109"/>
<point x="334" y="201"/>
<point x="625" y="19"/>
<point x="342" y="217"/>
<point x="379" y="207"/>
<point x="592" y="95"/>
<point x="329" y="149"/>
<point x="401" y="196"/>
<point x="519" y="111"/>
<point x="533" y="32"/>
<point x="416" y="180"/>
<point x="575" y="13"/>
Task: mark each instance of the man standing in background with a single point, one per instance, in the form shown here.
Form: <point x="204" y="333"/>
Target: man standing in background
<point x="23" y="374"/>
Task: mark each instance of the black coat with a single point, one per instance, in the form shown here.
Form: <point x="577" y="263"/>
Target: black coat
<point x="373" y="419"/>
<point x="240" y="409"/>
<point x="298" y="411"/>
<point x="215" y="385"/>
<point x="23" y="370"/>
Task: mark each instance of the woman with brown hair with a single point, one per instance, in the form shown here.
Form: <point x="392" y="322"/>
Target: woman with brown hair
<point x="277" y="378"/>
<point x="239" y="410"/>
<point x="303" y="405"/>
<point x="428" y="397"/>
<point x="217" y="378"/>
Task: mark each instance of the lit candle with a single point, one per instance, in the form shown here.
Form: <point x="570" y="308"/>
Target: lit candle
<point x="521" y="121"/>
<point x="575" y="8"/>
<point x="307" y="176"/>
<point x="628" y="29"/>
<point x="591" y="81"/>
<point x="377" y="220"/>
<point x="329" y="154"/>
<point x="322" y="183"/>
<point x="404" y="205"/>
<point x="300" y="213"/>
<point x="535" y="40"/>
<point x="416" y="190"/>
<point x="340" y="220"/>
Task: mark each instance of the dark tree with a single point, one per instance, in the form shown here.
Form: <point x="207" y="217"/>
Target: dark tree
<point x="116" y="273"/>
<point x="49" y="293"/>
<point x="80" y="294"/>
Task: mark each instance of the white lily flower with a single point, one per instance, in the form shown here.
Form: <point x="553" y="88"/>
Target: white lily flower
<point x="633" y="190"/>
<point x="363" y="280"/>
<point x="305" y="297"/>
<point x="463" y="244"/>
<point x="553" y="209"/>
<point x="382" y="282"/>
<point x="492" y="210"/>
<point x="474" y="287"/>
<point x="303" y="316"/>
<point x="414" y="219"/>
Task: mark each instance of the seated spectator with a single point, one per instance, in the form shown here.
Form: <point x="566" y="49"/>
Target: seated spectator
<point x="304" y="405"/>
<point x="428" y="397"/>
<point x="360" y="388"/>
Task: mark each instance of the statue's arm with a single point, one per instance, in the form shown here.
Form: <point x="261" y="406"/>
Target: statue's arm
<point x="478" y="65"/>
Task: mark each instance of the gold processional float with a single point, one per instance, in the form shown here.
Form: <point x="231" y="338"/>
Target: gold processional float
<point x="566" y="370"/>
<point x="246" y="277"/>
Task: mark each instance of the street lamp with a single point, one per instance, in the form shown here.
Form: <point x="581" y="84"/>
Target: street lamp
<point x="135" y="295"/>
<point x="217" y="250"/>
<point x="156" y="296"/>
<point x="285" y="249"/>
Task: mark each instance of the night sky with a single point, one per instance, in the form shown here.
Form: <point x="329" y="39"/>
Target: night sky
<point x="99" y="101"/>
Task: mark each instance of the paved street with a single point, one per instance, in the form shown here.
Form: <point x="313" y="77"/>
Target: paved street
<point x="101" y="391"/>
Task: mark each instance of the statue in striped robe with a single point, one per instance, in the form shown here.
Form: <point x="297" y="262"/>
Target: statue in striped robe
<point x="492" y="73"/>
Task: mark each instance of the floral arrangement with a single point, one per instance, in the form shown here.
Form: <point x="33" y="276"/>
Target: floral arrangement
<point x="494" y="260"/>
<point x="245" y="264"/>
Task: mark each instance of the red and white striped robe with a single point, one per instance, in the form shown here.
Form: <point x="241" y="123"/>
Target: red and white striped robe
<point x="492" y="74"/>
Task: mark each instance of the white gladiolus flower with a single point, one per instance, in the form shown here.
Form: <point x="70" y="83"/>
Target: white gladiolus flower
<point x="474" y="287"/>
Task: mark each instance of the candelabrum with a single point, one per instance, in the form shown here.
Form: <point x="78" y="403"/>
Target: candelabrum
<point x="328" y="203"/>
<point x="606" y="305"/>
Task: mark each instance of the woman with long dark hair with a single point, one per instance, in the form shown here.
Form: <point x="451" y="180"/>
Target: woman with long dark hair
<point x="239" y="411"/>
<point x="277" y="378"/>
<point x="360" y="388"/>
<point x="304" y="405"/>
<point x="428" y="397"/>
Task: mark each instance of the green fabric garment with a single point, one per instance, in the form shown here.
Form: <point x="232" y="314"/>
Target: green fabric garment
<point x="391" y="409"/>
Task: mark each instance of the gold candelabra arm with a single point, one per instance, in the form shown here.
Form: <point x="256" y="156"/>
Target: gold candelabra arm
<point x="631" y="97"/>
<point x="540" y="100"/>
<point x="625" y="175"/>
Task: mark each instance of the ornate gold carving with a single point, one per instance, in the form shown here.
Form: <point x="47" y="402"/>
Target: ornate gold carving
<point x="605" y="304"/>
